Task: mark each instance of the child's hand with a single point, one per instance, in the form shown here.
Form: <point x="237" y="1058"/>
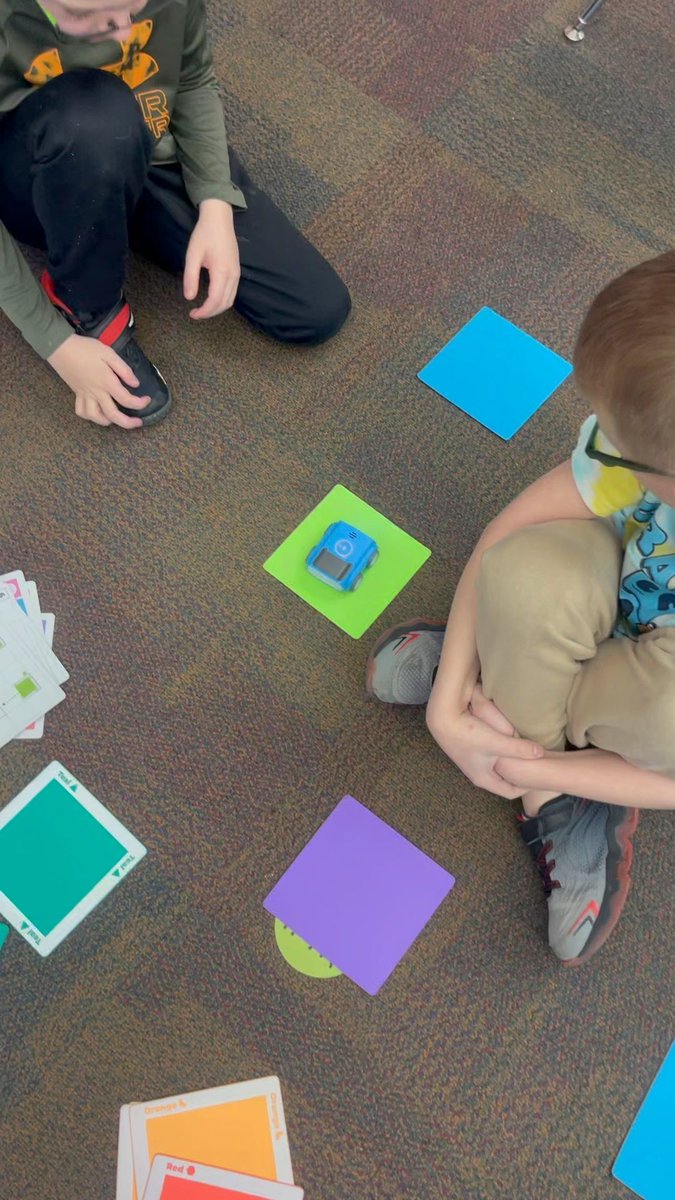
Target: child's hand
<point x="96" y="374"/>
<point x="213" y="247"/>
<point x="534" y="776"/>
<point x="487" y="711"/>
<point x="476" y="738"/>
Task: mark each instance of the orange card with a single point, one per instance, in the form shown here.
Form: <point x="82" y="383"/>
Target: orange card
<point x="240" y="1127"/>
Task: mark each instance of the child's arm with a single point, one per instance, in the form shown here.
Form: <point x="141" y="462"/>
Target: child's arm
<point x="197" y="120"/>
<point x="25" y="303"/>
<point x="198" y="126"/>
<point x="95" y="373"/>
<point x="473" y="744"/>
<point x="594" y="774"/>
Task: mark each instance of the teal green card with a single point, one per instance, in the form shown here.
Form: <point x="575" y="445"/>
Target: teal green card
<point x="400" y="557"/>
<point x="61" y="852"/>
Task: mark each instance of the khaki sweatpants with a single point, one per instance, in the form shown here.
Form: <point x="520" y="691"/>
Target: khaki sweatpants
<point x="547" y="603"/>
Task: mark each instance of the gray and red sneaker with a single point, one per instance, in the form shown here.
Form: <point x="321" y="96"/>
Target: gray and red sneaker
<point x="402" y="664"/>
<point x="583" y="851"/>
<point x="116" y="329"/>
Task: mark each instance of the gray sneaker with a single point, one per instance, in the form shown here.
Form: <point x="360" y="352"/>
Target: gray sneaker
<point x="583" y="852"/>
<point x="402" y="664"/>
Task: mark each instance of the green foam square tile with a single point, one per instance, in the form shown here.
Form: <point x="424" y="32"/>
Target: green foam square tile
<point x="401" y="556"/>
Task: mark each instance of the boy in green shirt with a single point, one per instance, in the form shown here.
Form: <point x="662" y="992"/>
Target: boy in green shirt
<point x="112" y="133"/>
<point x="554" y="678"/>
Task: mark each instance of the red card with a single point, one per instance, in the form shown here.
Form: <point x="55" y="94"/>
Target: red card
<point x="179" y="1179"/>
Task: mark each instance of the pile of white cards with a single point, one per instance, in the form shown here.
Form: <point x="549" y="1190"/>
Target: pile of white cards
<point x="30" y="673"/>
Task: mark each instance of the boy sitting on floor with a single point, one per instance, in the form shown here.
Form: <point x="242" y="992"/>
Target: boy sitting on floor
<point x="561" y="635"/>
<point x="111" y="132"/>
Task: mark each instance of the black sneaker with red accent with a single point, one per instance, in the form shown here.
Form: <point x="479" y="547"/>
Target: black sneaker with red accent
<point x="116" y="329"/>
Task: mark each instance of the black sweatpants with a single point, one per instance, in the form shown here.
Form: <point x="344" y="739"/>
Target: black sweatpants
<point x="76" y="179"/>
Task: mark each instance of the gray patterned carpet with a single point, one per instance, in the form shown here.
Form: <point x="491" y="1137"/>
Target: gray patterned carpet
<point x="443" y="156"/>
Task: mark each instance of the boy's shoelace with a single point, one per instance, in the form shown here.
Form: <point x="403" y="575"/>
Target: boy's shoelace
<point x="545" y="867"/>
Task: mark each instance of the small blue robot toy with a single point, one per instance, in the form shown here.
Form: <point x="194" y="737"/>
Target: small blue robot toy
<point x="342" y="556"/>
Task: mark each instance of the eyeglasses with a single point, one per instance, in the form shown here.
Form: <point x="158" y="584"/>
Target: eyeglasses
<point x="615" y="460"/>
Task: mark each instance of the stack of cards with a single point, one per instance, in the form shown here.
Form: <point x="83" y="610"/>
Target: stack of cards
<point x="222" y="1143"/>
<point x="30" y="673"/>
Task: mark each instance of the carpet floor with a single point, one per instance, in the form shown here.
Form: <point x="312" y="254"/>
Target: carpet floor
<point x="443" y="156"/>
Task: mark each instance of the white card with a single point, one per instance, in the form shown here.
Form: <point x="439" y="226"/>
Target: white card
<point x="20" y="629"/>
<point x="33" y="603"/>
<point x="27" y="689"/>
<point x="24" y="592"/>
<point x="61" y="852"/>
<point x="36" y="730"/>
<point x="25" y="639"/>
<point x="199" y="1182"/>
<point x="16" y="580"/>
<point x="126" y="1189"/>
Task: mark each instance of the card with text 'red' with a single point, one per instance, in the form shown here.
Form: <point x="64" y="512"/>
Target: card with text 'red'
<point x="176" y="1179"/>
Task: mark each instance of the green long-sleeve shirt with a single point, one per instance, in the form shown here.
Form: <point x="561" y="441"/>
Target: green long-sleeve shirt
<point x="167" y="64"/>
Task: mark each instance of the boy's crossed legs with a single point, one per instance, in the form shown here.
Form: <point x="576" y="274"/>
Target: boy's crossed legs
<point x="546" y="607"/>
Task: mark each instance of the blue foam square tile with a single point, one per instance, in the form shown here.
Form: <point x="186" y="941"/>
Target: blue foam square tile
<point x="646" y="1161"/>
<point x="495" y="372"/>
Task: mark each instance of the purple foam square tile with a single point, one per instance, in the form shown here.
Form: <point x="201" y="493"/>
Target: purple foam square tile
<point x="359" y="893"/>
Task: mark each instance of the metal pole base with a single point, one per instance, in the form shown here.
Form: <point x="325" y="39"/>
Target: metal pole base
<point x="575" y="33"/>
